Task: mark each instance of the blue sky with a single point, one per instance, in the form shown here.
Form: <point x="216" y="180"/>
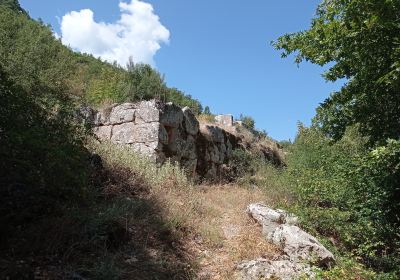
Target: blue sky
<point x="217" y="51"/>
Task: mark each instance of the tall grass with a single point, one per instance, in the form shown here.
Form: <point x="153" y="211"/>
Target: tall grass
<point x="168" y="175"/>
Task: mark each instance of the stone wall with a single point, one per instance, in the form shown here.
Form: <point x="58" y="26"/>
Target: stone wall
<point x="165" y="131"/>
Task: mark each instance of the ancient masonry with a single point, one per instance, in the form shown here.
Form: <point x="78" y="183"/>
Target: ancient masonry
<point x="165" y="131"/>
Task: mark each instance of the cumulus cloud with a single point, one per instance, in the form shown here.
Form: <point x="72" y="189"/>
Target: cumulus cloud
<point x="137" y="34"/>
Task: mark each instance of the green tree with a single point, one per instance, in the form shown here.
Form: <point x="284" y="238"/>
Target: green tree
<point x="144" y="82"/>
<point x="207" y="110"/>
<point x="247" y="122"/>
<point x="13" y="5"/>
<point x="360" y="40"/>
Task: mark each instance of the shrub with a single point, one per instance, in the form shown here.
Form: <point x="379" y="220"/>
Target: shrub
<point x="349" y="193"/>
<point x="40" y="151"/>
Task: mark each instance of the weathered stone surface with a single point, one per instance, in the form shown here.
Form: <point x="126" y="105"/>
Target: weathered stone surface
<point x="189" y="150"/>
<point x="283" y="269"/>
<point x="147" y="149"/>
<point x="301" y="250"/>
<point x="226" y="120"/>
<point x="129" y="133"/>
<point x="122" y="113"/>
<point x="103" y="116"/>
<point x="191" y="123"/>
<point x="163" y="135"/>
<point x="147" y="111"/>
<point x="171" y="115"/>
<point x="103" y="132"/>
<point x="269" y="218"/>
<point x="298" y="244"/>
<point x="212" y="133"/>
<point x="165" y="131"/>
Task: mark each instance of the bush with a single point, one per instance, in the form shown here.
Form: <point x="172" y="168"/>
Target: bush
<point x="42" y="157"/>
<point x="248" y="122"/>
<point x="242" y="163"/>
<point x="349" y="193"/>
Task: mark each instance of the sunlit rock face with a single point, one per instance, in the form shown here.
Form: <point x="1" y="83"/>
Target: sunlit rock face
<point x="164" y="131"/>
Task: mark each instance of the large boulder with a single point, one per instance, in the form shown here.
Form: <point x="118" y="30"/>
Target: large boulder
<point x="147" y="112"/>
<point x="299" y="245"/>
<point x="212" y="133"/>
<point x="129" y="133"/>
<point x="283" y="269"/>
<point x="122" y="113"/>
<point x="269" y="218"/>
<point x="300" y="249"/>
<point x="171" y="115"/>
<point x="191" y="123"/>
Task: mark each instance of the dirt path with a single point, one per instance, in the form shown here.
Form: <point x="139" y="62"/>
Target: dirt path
<point x="230" y="235"/>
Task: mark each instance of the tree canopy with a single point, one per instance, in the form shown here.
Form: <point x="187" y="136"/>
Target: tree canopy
<point x="360" y="41"/>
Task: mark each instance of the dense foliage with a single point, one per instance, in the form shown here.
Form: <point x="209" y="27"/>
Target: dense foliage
<point x="247" y="122"/>
<point x="345" y="168"/>
<point x="349" y="193"/>
<point x="361" y="41"/>
<point x="54" y="209"/>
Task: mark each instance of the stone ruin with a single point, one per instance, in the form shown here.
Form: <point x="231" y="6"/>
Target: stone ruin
<point x="225" y="120"/>
<point x="167" y="132"/>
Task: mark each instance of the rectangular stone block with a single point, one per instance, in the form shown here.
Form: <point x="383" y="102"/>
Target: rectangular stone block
<point x="129" y="133"/>
<point x="103" y="132"/>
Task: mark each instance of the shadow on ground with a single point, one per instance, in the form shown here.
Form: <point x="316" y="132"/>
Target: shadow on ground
<point x="120" y="233"/>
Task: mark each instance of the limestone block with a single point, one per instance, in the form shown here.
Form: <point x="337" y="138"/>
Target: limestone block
<point x="129" y="133"/>
<point x="103" y="132"/>
<point x="191" y="123"/>
<point x="268" y="218"/>
<point x="123" y="113"/>
<point x="171" y="115"/>
<point x="147" y="150"/>
<point x="298" y="244"/>
<point x="189" y="150"/>
<point x="147" y="111"/>
<point x="283" y="269"/>
<point x="212" y="133"/>
<point x="102" y="117"/>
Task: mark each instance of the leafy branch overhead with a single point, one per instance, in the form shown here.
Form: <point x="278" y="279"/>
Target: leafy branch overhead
<point x="360" y="41"/>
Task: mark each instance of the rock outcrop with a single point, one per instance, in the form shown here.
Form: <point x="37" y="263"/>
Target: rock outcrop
<point x="301" y="250"/>
<point x="165" y="131"/>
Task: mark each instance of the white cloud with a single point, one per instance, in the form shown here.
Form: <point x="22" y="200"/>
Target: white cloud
<point x="137" y="34"/>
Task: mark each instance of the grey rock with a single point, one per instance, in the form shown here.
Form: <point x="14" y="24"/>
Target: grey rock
<point x="282" y="268"/>
<point x="147" y="149"/>
<point x="189" y="150"/>
<point x="129" y="133"/>
<point x="212" y="133"/>
<point x="102" y="117"/>
<point x="103" y="132"/>
<point x="147" y="111"/>
<point x="298" y="244"/>
<point x="122" y="113"/>
<point x="191" y="123"/>
<point x="269" y="218"/>
<point x="171" y="115"/>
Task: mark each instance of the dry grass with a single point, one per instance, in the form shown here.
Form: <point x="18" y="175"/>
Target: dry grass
<point x="206" y="119"/>
<point x="210" y="222"/>
<point x="230" y="236"/>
